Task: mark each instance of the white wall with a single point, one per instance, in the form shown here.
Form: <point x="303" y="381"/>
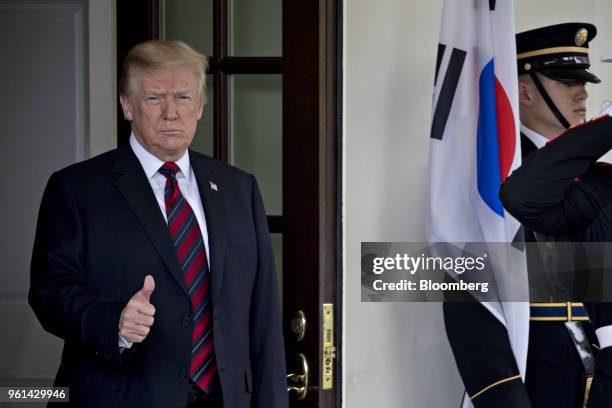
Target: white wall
<point x="397" y="355"/>
<point x="102" y="77"/>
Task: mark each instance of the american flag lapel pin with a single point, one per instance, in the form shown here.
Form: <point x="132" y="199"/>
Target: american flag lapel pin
<point x="213" y="186"/>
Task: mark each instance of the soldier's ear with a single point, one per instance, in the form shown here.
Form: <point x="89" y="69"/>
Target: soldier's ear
<point x="525" y="94"/>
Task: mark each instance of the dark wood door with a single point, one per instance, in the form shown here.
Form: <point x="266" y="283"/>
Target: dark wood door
<point x="282" y="74"/>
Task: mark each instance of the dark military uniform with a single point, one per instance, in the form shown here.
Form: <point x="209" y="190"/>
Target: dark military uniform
<point x="486" y="362"/>
<point x="563" y="192"/>
<point x="479" y="341"/>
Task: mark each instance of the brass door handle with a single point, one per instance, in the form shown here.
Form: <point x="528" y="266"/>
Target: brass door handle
<point x="299" y="380"/>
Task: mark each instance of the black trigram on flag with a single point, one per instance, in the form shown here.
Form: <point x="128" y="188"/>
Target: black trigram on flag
<point x="449" y="86"/>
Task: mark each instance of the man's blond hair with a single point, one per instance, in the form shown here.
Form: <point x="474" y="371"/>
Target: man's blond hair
<point x="162" y="54"/>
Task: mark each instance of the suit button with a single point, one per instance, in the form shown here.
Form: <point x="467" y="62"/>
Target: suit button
<point x="186" y="320"/>
<point x="183" y="373"/>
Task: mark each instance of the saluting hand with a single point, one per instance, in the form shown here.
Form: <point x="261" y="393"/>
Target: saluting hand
<point x="137" y="316"/>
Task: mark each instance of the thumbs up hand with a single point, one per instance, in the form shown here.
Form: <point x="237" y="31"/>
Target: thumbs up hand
<point x="137" y="316"/>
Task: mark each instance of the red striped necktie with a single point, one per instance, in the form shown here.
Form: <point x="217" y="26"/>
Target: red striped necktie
<point x="191" y="252"/>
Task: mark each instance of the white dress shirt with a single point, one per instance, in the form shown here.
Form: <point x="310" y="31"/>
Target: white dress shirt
<point x="187" y="184"/>
<point x="537" y="139"/>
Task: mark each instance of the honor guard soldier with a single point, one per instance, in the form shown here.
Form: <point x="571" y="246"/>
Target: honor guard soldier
<point x="553" y="69"/>
<point x="563" y="192"/>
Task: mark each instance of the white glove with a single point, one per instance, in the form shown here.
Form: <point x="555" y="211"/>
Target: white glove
<point x="606" y="109"/>
<point x="606" y="58"/>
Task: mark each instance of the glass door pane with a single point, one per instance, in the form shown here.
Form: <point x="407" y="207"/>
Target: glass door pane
<point x="255" y="133"/>
<point x="190" y="21"/>
<point x="255" y="28"/>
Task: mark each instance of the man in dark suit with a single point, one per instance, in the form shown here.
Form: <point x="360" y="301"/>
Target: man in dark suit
<point x="553" y="71"/>
<point x="154" y="263"/>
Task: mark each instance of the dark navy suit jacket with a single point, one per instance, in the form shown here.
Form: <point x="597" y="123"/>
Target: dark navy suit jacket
<point x="100" y="232"/>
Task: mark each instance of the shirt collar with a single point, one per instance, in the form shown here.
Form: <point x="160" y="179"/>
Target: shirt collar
<point x="151" y="164"/>
<point x="537" y="139"/>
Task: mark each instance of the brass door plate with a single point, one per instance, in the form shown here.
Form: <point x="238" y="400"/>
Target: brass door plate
<point x="329" y="351"/>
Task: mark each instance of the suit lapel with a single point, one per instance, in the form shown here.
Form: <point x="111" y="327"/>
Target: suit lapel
<point x="212" y="201"/>
<point x="134" y="186"/>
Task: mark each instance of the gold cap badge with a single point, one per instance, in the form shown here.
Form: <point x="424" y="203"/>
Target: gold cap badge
<point x="581" y="37"/>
